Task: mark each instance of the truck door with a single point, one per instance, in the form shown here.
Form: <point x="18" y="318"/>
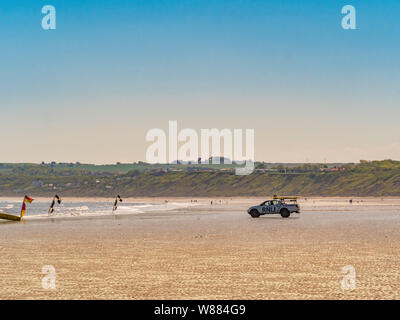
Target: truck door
<point x="265" y="207"/>
<point x="275" y="206"/>
<point x="271" y="207"/>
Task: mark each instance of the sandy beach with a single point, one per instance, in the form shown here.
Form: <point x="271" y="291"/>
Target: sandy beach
<point x="208" y="252"/>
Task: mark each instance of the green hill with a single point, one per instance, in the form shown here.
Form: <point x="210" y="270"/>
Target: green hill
<point x="376" y="178"/>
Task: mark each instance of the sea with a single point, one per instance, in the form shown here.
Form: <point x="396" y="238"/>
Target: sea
<point x="85" y="208"/>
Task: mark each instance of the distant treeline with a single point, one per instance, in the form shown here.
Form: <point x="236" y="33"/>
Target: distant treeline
<point x="374" y="178"/>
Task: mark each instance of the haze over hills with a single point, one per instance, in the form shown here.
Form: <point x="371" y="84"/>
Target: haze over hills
<point x="375" y="178"/>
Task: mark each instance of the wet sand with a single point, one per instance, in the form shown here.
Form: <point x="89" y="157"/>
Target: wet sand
<point x="209" y="252"/>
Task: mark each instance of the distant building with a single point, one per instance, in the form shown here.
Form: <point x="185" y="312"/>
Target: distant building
<point x="221" y="160"/>
<point x="37" y="183"/>
<point x="332" y="169"/>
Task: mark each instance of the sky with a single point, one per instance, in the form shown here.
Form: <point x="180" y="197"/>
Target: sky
<point x="91" y="89"/>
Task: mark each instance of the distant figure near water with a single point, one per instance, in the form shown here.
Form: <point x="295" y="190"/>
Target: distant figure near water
<point x="115" y="207"/>
<point x="53" y="203"/>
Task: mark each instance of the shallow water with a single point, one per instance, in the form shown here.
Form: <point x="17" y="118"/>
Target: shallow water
<point x="85" y="208"/>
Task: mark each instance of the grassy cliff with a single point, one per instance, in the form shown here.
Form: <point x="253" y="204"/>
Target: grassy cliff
<point x="377" y="178"/>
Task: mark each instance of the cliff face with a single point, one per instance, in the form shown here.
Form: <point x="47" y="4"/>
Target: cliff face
<point x="360" y="181"/>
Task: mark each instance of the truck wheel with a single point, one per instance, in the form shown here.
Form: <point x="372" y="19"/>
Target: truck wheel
<point x="254" y="213"/>
<point x="285" y="213"/>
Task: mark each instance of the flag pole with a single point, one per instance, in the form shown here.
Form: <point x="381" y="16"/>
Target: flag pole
<point x="23" y="209"/>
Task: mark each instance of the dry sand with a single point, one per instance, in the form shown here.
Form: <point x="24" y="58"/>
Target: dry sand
<point x="209" y="252"/>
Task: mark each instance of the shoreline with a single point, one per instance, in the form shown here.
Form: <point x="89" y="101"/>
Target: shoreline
<point x="184" y="198"/>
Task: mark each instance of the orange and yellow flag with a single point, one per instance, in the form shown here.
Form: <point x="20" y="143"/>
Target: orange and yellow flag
<point x="28" y="199"/>
<point x="23" y="209"/>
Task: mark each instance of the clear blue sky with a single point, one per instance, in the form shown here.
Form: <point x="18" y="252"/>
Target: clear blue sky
<point x="89" y="90"/>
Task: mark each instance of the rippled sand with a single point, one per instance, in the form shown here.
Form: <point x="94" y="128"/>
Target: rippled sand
<point x="210" y="252"/>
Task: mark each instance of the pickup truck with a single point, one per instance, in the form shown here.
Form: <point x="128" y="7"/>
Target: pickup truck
<point x="284" y="206"/>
